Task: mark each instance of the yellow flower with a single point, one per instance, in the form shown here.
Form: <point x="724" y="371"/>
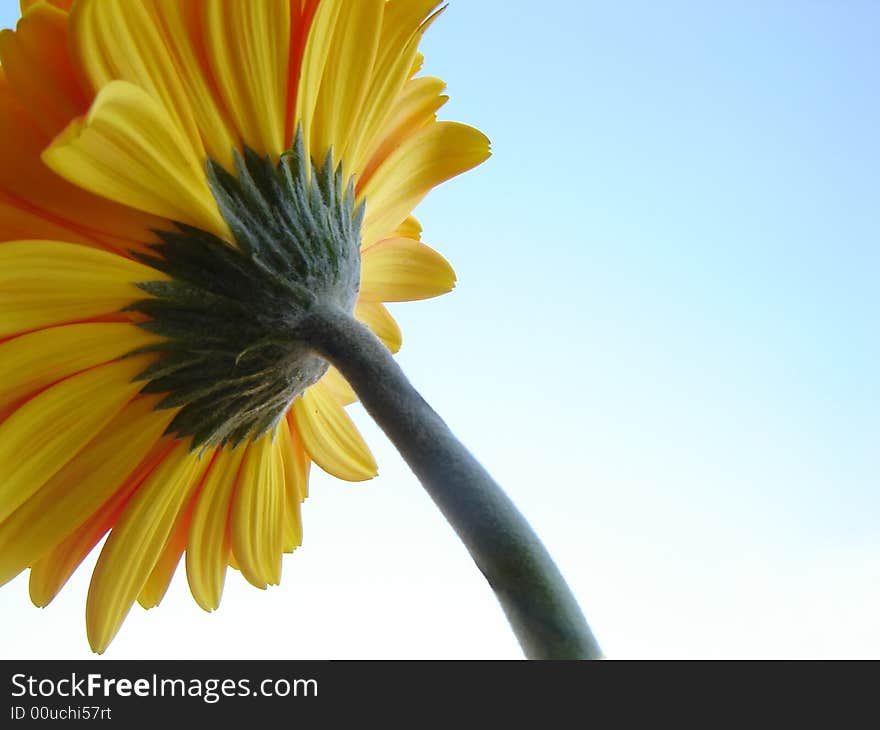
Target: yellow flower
<point x="132" y="130"/>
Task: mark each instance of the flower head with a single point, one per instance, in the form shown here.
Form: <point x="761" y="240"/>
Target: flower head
<point x="179" y="181"/>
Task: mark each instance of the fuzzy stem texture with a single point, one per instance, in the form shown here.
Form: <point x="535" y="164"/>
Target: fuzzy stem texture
<point x="538" y="603"/>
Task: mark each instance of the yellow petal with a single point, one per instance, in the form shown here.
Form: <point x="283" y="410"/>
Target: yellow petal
<point x="296" y="480"/>
<point x="302" y="15"/>
<point x="338" y="387"/>
<point x="256" y="520"/>
<point x="403" y="25"/>
<point x="248" y="44"/>
<point x="330" y="437"/>
<point x="24" y="177"/>
<point x="345" y="77"/>
<point x="403" y="270"/>
<point x="293" y="530"/>
<point x="52" y="571"/>
<point x="208" y="551"/>
<point x="410" y="228"/>
<point x="63" y="4"/>
<point x="33" y="361"/>
<point x="36" y="61"/>
<point x="417" y="64"/>
<point x="315" y="57"/>
<point x="118" y="40"/>
<point x="129" y="150"/>
<point x="157" y="45"/>
<point x="157" y="584"/>
<point x="415" y="108"/>
<point x="303" y="463"/>
<point x="48" y="430"/>
<point x="429" y="157"/>
<point x="136" y="543"/>
<point x="82" y="488"/>
<point x="377" y="317"/>
<point x="44" y="283"/>
<point x="181" y="24"/>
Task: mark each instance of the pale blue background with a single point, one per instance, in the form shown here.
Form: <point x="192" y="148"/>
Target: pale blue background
<point x="664" y="343"/>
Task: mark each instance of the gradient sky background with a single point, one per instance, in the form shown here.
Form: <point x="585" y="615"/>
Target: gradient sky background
<point x="664" y="344"/>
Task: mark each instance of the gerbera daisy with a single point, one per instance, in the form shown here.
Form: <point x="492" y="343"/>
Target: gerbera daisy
<point x="181" y="184"/>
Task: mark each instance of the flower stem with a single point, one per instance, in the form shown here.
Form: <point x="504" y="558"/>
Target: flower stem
<point x="538" y="603"/>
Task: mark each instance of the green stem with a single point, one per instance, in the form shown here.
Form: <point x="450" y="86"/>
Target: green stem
<point x="538" y="603"/>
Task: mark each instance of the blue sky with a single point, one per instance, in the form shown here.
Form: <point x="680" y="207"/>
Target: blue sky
<point x="663" y="343"/>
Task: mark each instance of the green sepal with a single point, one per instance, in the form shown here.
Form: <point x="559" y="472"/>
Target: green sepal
<point x="229" y="358"/>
